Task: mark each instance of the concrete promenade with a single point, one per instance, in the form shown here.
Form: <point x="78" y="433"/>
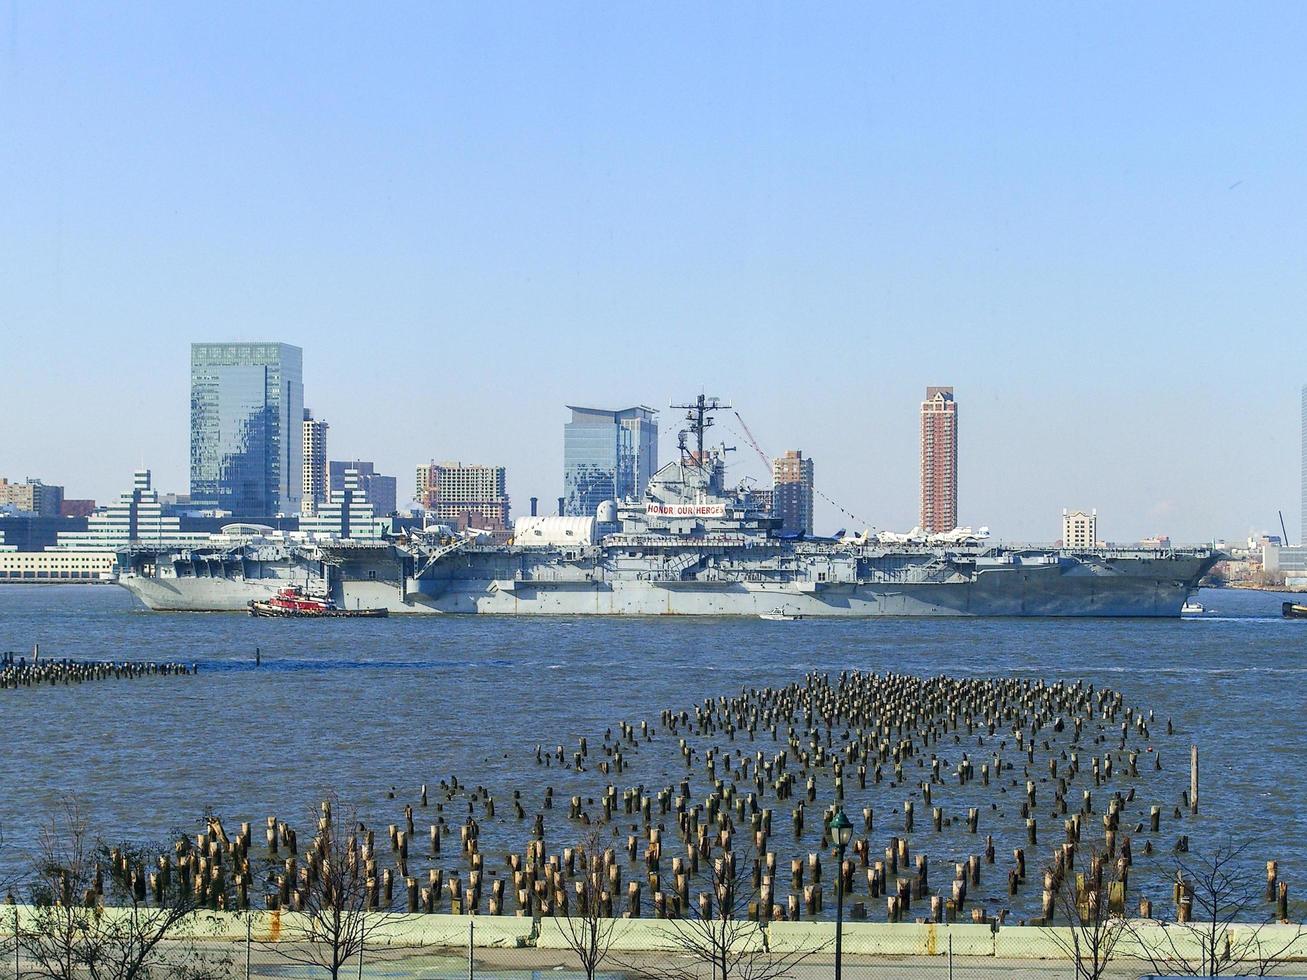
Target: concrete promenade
<point x="436" y="946"/>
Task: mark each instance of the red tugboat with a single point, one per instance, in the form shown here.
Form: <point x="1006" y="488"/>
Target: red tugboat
<point x="294" y="602"/>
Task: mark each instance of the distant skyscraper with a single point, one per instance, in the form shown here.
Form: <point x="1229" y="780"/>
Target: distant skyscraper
<point x="381" y="490"/>
<point x="939" y="461"/>
<point x="474" y="496"/>
<point x="315" y="463"/>
<point x="607" y="455"/>
<point x="1079" y="528"/>
<point x="247" y="411"/>
<point x="792" y="482"/>
<point x="348" y="513"/>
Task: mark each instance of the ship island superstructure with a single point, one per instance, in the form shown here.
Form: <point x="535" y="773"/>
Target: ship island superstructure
<point x="690" y="546"/>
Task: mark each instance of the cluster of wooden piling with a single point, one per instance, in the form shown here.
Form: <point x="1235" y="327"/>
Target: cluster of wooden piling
<point x="19" y="671"/>
<point x="929" y="770"/>
<point x="204" y="870"/>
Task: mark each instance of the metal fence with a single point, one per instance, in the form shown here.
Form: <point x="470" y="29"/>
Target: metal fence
<point x="380" y="946"/>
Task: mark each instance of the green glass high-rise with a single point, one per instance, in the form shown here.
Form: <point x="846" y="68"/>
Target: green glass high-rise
<point x="607" y="455"/>
<point x="247" y="410"/>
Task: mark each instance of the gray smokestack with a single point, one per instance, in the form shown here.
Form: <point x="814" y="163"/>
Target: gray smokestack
<point x="560" y="506"/>
<point x="534" y="502"/>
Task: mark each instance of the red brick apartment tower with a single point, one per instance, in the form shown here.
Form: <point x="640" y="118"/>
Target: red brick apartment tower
<point x="939" y="461"/>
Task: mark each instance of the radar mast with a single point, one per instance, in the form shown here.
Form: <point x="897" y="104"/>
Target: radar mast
<point x="699" y="416"/>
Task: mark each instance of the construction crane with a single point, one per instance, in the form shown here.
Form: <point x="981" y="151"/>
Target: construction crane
<point x="748" y="436"/>
<point x="767" y="465"/>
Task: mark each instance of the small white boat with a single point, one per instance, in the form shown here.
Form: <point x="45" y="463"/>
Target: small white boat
<point x="780" y="615"/>
<point x="1192" y="608"/>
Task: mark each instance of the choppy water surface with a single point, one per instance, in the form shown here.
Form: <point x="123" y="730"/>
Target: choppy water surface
<point x="362" y="707"/>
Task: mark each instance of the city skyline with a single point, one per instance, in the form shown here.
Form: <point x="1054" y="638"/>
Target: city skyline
<point x="500" y="417"/>
<point x="741" y="465"/>
<point x="595" y="208"/>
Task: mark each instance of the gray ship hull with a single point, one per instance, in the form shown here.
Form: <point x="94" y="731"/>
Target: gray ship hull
<point x="209" y="593"/>
<point x="689" y="546"/>
<point x="1028" y="598"/>
<point x="1026" y="592"/>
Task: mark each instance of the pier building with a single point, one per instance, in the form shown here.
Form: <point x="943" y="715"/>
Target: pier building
<point x="56" y="566"/>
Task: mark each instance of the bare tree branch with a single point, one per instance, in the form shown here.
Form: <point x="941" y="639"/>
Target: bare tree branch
<point x="587" y="932"/>
<point x="1221" y="922"/>
<point x="337" y="894"/>
<point x="98" y="914"/>
<point x="1091" y="898"/>
<point x="716" y="933"/>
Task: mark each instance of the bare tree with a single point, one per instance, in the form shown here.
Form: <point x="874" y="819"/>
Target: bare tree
<point x="1091" y="898"/>
<point x="1221" y="921"/>
<point x="587" y="931"/>
<point x="717" y="934"/>
<point x="9" y="942"/>
<point x="96" y="913"/>
<point x="9" y="883"/>
<point x="338" y="894"/>
<point x="10" y="877"/>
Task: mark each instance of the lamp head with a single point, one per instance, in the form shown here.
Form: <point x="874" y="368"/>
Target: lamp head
<point x="841" y="830"/>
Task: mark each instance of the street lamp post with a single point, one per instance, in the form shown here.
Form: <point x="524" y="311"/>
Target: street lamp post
<point x="841" y="832"/>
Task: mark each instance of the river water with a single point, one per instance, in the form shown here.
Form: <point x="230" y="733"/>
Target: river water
<point x="364" y="708"/>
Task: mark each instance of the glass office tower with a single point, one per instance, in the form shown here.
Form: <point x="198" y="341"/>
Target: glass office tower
<point x="607" y="456"/>
<point x="247" y="411"/>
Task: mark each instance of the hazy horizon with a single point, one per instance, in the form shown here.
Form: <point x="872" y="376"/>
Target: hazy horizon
<point x="1089" y="222"/>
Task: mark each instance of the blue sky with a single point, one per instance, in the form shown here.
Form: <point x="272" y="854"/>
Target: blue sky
<point x="1088" y="219"/>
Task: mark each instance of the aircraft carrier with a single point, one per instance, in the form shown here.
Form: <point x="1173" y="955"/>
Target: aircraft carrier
<point x="692" y="546"/>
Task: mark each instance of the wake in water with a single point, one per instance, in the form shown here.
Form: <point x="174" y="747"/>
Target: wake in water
<point x="286" y="665"/>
